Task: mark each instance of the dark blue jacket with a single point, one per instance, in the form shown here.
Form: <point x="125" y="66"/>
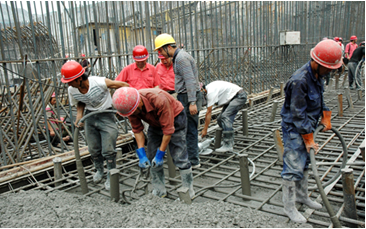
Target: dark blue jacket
<point x="304" y="103"/>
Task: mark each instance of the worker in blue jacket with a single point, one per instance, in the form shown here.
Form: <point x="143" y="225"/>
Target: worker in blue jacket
<point x="303" y="106"/>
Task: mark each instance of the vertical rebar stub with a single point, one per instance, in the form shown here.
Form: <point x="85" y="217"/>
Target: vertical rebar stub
<point x="279" y="145"/>
<point x="119" y="156"/>
<point x="171" y="167"/>
<point x="244" y="115"/>
<point x="350" y="209"/>
<point x="114" y="181"/>
<point x="218" y="138"/>
<point x="274" y="110"/>
<point x="340" y="105"/>
<point x="57" y="169"/>
<point x="183" y="193"/>
<point x="282" y="92"/>
<point x="336" y="86"/>
<point x="244" y="174"/>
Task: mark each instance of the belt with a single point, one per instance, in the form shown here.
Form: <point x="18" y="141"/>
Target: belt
<point x="171" y="92"/>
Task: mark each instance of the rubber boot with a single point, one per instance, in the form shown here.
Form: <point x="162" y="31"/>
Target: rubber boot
<point x="187" y="180"/>
<point x="302" y="193"/>
<point x="98" y="164"/>
<point x="227" y="142"/>
<point x="288" y="198"/>
<point x="158" y="181"/>
<point x="111" y="164"/>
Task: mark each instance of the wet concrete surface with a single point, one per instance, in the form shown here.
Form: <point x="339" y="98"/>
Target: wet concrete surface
<point x="61" y="209"/>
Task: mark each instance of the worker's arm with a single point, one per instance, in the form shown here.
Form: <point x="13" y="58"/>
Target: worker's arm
<point x="140" y="139"/>
<point x="141" y="154"/>
<point x="165" y="141"/>
<point x="79" y="113"/>
<point x="207" y="121"/>
<point x="112" y="84"/>
<point x="52" y="133"/>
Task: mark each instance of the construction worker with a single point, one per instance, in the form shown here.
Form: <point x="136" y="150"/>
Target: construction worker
<point x="167" y="126"/>
<point x="140" y="74"/>
<point x="351" y="47"/>
<point x="166" y="75"/>
<point x="187" y="87"/>
<point x="357" y="56"/>
<point x="92" y="94"/>
<point x="84" y="62"/>
<point x="232" y="98"/>
<point x="52" y="121"/>
<point x="302" y="108"/>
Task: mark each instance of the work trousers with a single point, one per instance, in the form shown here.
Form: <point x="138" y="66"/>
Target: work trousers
<point x="352" y="73"/>
<point x="295" y="157"/>
<point x="101" y="134"/>
<point x="230" y="110"/>
<point x="177" y="144"/>
<point x="192" y="124"/>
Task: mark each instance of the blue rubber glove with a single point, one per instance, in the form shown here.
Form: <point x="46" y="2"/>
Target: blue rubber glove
<point x="158" y="159"/>
<point x="144" y="162"/>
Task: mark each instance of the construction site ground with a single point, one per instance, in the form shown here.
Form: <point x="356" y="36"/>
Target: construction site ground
<point x="35" y="199"/>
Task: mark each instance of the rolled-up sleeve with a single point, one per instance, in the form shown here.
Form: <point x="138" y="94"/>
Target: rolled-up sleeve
<point x="298" y="107"/>
<point x="136" y="124"/>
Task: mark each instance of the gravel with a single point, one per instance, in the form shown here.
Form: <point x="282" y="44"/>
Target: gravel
<point x="61" y="209"/>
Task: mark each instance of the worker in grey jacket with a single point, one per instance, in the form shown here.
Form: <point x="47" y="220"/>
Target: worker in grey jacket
<point x="187" y="87"/>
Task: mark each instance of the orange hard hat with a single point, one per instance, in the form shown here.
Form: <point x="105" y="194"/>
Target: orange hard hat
<point x="327" y="53"/>
<point x="70" y="71"/>
<point x="126" y="100"/>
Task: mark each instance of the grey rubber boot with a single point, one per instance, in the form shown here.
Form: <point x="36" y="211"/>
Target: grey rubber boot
<point x="98" y="164"/>
<point x="158" y="181"/>
<point x="227" y="142"/>
<point x="111" y="164"/>
<point x="302" y="193"/>
<point x="288" y="198"/>
<point x="187" y="180"/>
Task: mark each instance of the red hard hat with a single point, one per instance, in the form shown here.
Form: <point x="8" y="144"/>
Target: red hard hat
<point x="66" y="56"/>
<point x="126" y="100"/>
<point x="70" y="71"/>
<point x="353" y="38"/>
<point x="340" y="39"/>
<point x="336" y="39"/>
<point x="161" y="56"/>
<point x="53" y="95"/>
<point x="83" y="55"/>
<point x="140" y="53"/>
<point x="327" y="53"/>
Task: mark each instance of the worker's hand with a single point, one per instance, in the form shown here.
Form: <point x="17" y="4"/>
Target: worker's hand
<point x="309" y="142"/>
<point x="78" y="125"/>
<point x="193" y="109"/>
<point x="203" y="133"/>
<point x="52" y="133"/>
<point x="325" y="121"/>
<point x="144" y="162"/>
<point x="158" y="159"/>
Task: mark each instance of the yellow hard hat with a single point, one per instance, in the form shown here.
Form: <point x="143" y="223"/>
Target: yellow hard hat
<point x="163" y="39"/>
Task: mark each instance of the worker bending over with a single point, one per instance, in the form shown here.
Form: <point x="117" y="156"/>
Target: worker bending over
<point x="303" y="106"/>
<point x="232" y="98"/>
<point x="167" y="126"/>
<point x="92" y="94"/>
